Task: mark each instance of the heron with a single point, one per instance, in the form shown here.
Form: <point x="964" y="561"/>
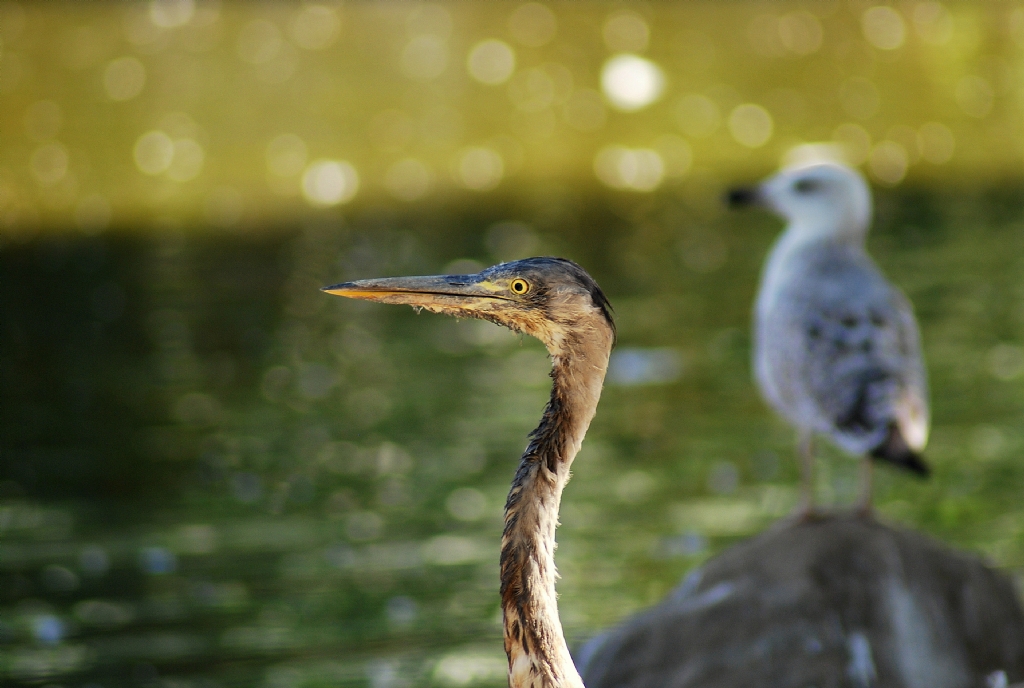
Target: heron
<point x="836" y="347"/>
<point x="556" y="301"/>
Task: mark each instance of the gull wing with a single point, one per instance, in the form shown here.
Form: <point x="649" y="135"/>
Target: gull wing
<point x="854" y="354"/>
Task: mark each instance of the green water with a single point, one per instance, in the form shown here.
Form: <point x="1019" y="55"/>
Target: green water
<point x="215" y="475"/>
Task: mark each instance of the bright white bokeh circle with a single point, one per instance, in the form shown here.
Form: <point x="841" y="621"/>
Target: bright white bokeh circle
<point x="329" y="182"/>
<point x="491" y="62"/>
<point x="631" y="82"/>
<point x="632" y="169"/>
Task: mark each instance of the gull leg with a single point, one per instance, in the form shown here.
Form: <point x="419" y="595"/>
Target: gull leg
<point x="805" y="451"/>
<point x="864" y="507"/>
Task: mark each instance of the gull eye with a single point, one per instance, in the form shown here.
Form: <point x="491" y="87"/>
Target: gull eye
<point x="804" y="186"/>
<point x="519" y="286"/>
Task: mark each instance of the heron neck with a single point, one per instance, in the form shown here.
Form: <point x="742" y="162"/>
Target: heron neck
<point x="537" y="652"/>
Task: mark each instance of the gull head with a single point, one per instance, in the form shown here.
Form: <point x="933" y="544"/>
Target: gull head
<point x="820" y="199"/>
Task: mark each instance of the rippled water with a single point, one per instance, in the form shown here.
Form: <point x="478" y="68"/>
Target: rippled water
<point x="215" y="475"/>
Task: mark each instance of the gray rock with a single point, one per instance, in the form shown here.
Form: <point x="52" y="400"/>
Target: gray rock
<point x="836" y="601"/>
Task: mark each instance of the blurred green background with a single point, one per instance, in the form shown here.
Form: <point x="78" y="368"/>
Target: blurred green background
<point x="211" y="474"/>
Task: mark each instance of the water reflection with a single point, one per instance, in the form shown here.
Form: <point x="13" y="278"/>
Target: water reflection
<point x="316" y="491"/>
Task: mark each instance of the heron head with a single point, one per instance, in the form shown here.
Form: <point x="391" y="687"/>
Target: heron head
<point x="548" y="298"/>
<point x="824" y="197"/>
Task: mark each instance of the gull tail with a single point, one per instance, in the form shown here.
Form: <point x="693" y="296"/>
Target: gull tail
<point x="894" y="450"/>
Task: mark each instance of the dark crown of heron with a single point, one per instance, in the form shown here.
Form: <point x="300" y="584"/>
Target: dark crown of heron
<point x="545" y="295"/>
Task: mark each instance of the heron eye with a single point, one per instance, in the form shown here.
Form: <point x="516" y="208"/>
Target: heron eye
<point x="519" y="286"/>
<point x="806" y="186"/>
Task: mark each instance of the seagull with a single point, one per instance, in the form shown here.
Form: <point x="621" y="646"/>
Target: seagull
<point x="836" y="347"/>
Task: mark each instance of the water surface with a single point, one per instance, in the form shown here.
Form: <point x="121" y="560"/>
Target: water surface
<point x="215" y="475"/>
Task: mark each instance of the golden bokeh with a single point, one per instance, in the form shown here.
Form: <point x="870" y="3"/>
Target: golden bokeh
<point x="210" y="113"/>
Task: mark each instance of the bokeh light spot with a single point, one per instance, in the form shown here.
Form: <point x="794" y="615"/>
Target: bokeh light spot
<point x="452" y="550"/>
<point x="153" y="152"/>
<point x="491" y="62"/>
<point x="48" y="629"/>
<point x="246" y="487"/>
<point x="401" y="612"/>
<point x="631" y="82"/>
<point x="676" y="153"/>
<point x="281" y="68"/>
<point x="634" y="487"/>
<point x="532" y="90"/>
<point x="124" y="78"/>
<point x="168" y="14"/>
<point x="480" y="168"/>
<point x="429" y="19"/>
<point x="179" y="125"/>
<point x="626" y="32"/>
<point x="466" y="504"/>
<point x="363" y="525"/>
<point x="315" y="27"/>
<point x="856" y="142"/>
<point x="888" y="162"/>
<point x="633" y="366"/>
<point x="186" y="161"/>
<point x="468" y="669"/>
<point x="424" y="58"/>
<point x="907" y="137"/>
<point x="49" y="163"/>
<point x="157" y="561"/>
<point x="933" y="22"/>
<point x="800" y="32"/>
<point x="750" y="125"/>
<point x="764" y="35"/>
<point x="329" y="182"/>
<point x="533" y="24"/>
<point x="883" y="27"/>
<point x="316" y="380"/>
<point x="634" y="169"/>
<point x="1006" y="361"/>
<point x="58" y="578"/>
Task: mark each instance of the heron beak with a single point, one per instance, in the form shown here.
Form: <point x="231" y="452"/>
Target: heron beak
<point x="742" y="197"/>
<point x="448" y="293"/>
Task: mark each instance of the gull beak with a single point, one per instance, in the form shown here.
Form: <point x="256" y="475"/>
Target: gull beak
<point x="466" y="295"/>
<point x="742" y="197"/>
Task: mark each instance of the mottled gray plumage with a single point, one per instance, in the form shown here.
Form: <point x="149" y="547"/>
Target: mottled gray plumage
<point x="836" y="346"/>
